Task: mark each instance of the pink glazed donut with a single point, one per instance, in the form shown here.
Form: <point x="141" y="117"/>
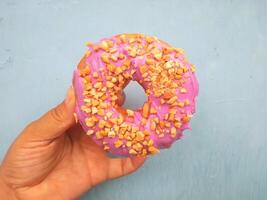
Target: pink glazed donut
<point x="168" y="80"/>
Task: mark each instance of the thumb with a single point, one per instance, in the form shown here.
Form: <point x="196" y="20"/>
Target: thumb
<point x="55" y="122"/>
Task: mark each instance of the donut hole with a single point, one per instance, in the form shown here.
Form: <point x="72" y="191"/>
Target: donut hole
<point x="135" y="96"/>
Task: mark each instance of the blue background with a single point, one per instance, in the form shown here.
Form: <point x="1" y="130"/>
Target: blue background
<point x="225" y="154"/>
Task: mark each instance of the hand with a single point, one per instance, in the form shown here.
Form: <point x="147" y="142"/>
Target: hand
<point x="54" y="159"/>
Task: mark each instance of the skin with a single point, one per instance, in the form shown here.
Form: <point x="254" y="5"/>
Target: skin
<point x="53" y="158"/>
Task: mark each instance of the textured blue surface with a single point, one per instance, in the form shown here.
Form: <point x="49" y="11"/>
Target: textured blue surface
<point x="223" y="157"/>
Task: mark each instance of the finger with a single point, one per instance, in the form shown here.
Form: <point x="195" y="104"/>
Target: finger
<point x="122" y="166"/>
<point x="121" y="98"/>
<point x="56" y="121"/>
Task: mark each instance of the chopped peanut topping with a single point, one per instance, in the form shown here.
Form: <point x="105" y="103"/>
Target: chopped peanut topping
<point x="95" y="74"/>
<point x="162" y="124"/>
<point x="128" y="143"/>
<point x="90" y="132"/>
<point x="118" y="70"/>
<point x="179" y="50"/>
<point x="186" y="118"/>
<point x="98" y="135"/>
<point x="193" y="68"/>
<point x="88" y="101"/>
<point x="95" y="102"/>
<point x="85" y="109"/>
<point x="167" y="95"/>
<point x="94" y="110"/>
<point x="118" y="143"/>
<point x="110" y="43"/>
<point x="101" y="124"/>
<point x="166" y="116"/>
<point x="187" y="102"/>
<point x="143" y="121"/>
<point x="149" y="61"/>
<point x="183" y="90"/>
<point x="153" y="110"/>
<point x="103" y="105"/>
<point x="172" y="111"/>
<point x="146" y="132"/>
<point x="130" y="112"/>
<point x="132" y="53"/>
<point x="113" y="50"/>
<point x="106" y="148"/>
<point x="150" y="143"/>
<point x="123" y="38"/>
<point x="110" y="84"/>
<point x="173" y="130"/>
<point x="111" y="134"/>
<point x="85" y="71"/>
<point x="153" y="125"/>
<point x="143" y="69"/>
<point x="144" y="152"/>
<point x="146" y="109"/>
<point x="101" y="112"/>
<point x="172" y="100"/>
<point x="153" y="150"/>
<point x="89" y="44"/>
<point x="168" y="124"/>
<point x="132" y="152"/>
<point x="149" y="39"/>
<point x="171" y="117"/>
<point x="109" y="114"/>
<point x="121" y="56"/>
<point x="140" y="136"/>
<point x="104" y="45"/>
<point x="98" y="85"/>
<point x="89" y="122"/>
<point x="114" y="58"/>
<point x="132" y="40"/>
<point x="105" y="58"/>
<point x="181" y="104"/>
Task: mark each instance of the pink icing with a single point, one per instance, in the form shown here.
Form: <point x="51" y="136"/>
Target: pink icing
<point x="191" y="85"/>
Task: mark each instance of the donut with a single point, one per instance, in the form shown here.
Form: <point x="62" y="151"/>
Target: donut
<point x="167" y="78"/>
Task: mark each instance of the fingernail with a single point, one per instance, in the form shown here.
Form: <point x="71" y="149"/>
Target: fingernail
<point x="69" y="99"/>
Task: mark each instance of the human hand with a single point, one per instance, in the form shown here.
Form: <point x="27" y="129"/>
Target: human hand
<point x="54" y="159"/>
